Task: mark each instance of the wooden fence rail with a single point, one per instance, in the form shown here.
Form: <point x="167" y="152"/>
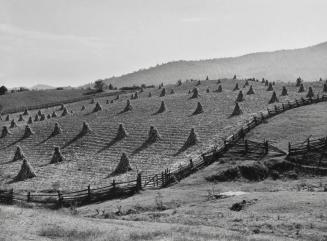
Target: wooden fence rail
<point x="169" y="176"/>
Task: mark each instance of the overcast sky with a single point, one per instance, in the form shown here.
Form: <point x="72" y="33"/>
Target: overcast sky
<point x="73" y="42"/>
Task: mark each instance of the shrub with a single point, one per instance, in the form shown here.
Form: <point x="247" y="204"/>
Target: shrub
<point x="123" y="165"/>
<point x="236" y="87"/>
<point x="284" y="91"/>
<point x="163" y="92"/>
<point x="301" y="89"/>
<point x="162" y="107"/>
<point x="199" y="109"/>
<point x="270" y="87"/>
<point x="121" y="132"/>
<point x="57" y="130"/>
<point x="298" y="82"/>
<point x="273" y="98"/>
<point x="310" y="93"/>
<point x="28" y="131"/>
<point x="57" y="156"/>
<point x="5" y="132"/>
<point x="250" y="91"/>
<point x="128" y="106"/>
<point x="19" y="155"/>
<point x="237" y="110"/>
<point x="192" y="139"/>
<point x="195" y="93"/>
<point x="26" y="171"/>
<point x="153" y="135"/>
<point x="97" y="107"/>
<point x="240" y="96"/>
<point x="13" y="124"/>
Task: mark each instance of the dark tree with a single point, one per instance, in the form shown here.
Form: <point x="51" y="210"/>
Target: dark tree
<point x="99" y="85"/>
<point x="3" y="90"/>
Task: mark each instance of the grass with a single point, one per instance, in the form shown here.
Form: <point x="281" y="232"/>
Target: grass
<point x="30" y="224"/>
<point x="56" y="231"/>
<point x="35" y="97"/>
<point x="293" y="126"/>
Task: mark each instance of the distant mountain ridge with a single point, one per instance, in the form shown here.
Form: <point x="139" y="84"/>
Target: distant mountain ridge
<point x="309" y="63"/>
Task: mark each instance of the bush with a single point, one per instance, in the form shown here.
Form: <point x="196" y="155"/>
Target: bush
<point x="3" y="90"/>
<point x="134" y="87"/>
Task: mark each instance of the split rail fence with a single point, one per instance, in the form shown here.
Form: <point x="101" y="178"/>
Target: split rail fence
<point x="169" y="176"/>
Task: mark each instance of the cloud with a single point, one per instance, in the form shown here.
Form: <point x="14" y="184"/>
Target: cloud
<point x="8" y="29"/>
<point x="195" y="19"/>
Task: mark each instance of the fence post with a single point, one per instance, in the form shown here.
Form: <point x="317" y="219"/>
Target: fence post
<point x="162" y="179"/>
<point x="191" y="164"/>
<point x="157" y="181"/>
<point x="89" y="192"/>
<point x="289" y="148"/>
<point x="266" y="146"/>
<point x="308" y="145"/>
<point x="276" y="109"/>
<point x="60" y="199"/>
<point x="242" y="133"/>
<point x="139" y="182"/>
<point x="246" y="146"/>
<point x="28" y="197"/>
<point x="11" y="196"/>
<point x="113" y="187"/>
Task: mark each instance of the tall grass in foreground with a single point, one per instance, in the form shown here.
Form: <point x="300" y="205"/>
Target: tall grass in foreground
<point x="182" y="233"/>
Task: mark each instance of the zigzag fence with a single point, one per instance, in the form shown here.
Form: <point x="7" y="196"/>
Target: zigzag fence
<point x="310" y="155"/>
<point x="58" y="103"/>
<point x="169" y="176"/>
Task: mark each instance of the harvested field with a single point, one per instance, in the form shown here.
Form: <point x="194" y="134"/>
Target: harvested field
<point x="89" y="159"/>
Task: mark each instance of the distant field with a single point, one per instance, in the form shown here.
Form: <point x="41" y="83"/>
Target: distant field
<point x="91" y="158"/>
<point x="293" y="126"/>
<point x="35" y="97"/>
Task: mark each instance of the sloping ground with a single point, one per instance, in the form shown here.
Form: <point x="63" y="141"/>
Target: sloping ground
<point x="28" y="224"/>
<point x="293" y="126"/>
<point x="35" y="97"/>
<point x="91" y="158"/>
<point x="282" y="209"/>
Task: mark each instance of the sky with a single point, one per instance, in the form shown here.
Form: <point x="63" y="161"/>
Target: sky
<point x="74" y="42"/>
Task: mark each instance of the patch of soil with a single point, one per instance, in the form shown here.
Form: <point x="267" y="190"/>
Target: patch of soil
<point x="253" y="171"/>
<point x="279" y="165"/>
<point x="242" y="205"/>
<point x="224" y="175"/>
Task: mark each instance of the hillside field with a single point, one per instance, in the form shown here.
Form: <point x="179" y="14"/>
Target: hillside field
<point x="90" y="159"/>
<point x="35" y="97"/>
